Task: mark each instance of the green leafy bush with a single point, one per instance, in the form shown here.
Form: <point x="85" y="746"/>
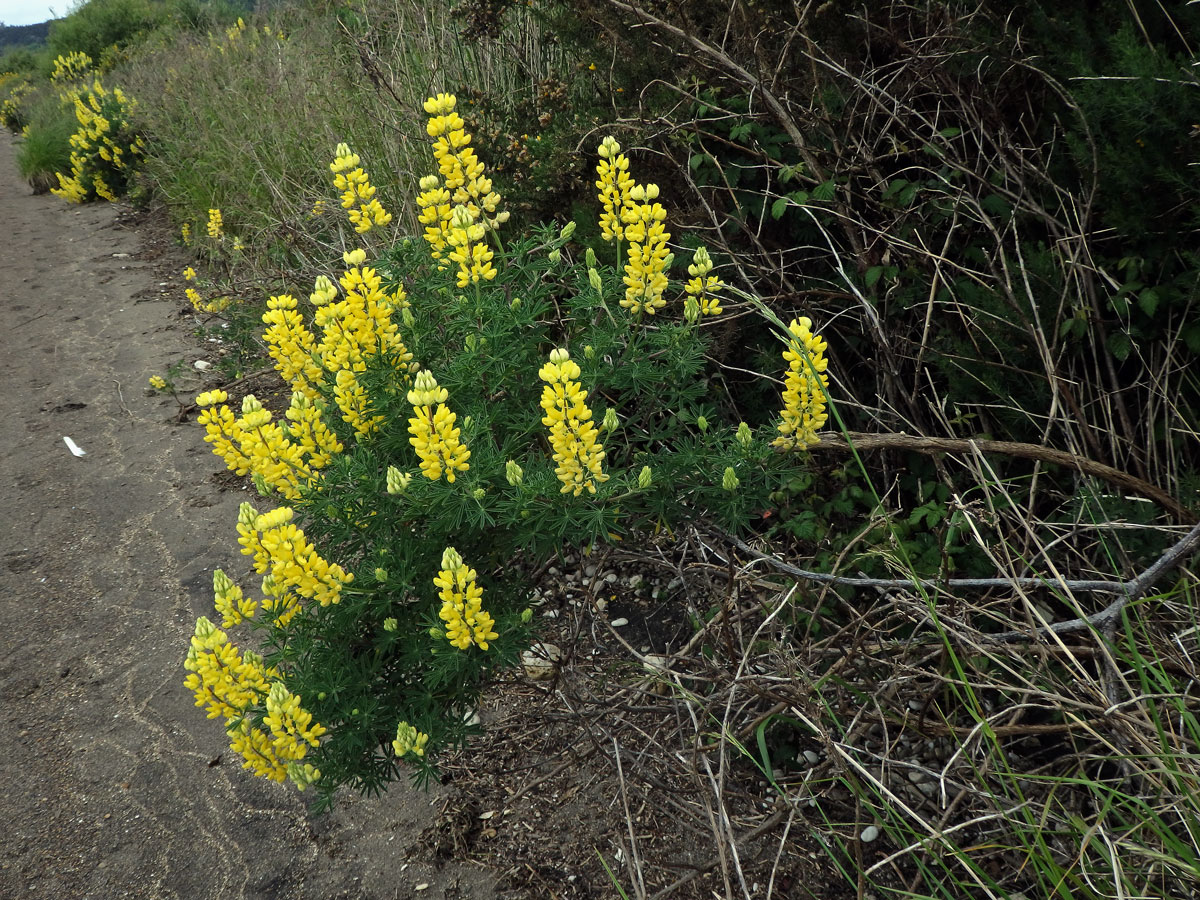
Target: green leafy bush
<point x="547" y="403"/>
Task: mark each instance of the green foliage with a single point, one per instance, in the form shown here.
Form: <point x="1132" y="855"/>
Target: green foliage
<point x="46" y="147"/>
<point x="15" y="98"/>
<point x="105" y="146"/>
<point x="96" y="27"/>
<point x="485" y="344"/>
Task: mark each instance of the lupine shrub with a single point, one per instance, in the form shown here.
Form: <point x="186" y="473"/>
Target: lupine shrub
<point x="105" y="147"/>
<point x="14" y="89"/>
<point x="466" y="408"/>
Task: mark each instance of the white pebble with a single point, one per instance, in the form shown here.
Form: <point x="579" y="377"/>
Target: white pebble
<point x="635" y="580"/>
<point x="869" y="834"/>
<point x="812" y="757"/>
<point x="611" y="577"/>
<point x="589" y="571"/>
<point x="617" y="623"/>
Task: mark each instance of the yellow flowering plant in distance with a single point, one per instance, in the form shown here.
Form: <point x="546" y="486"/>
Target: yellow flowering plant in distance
<point x="463" y="405"/>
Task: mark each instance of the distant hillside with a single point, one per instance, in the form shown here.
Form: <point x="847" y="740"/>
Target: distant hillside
<point x="13" y="36"/>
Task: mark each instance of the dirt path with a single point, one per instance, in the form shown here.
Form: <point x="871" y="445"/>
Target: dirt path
<point x="108" y="782"/>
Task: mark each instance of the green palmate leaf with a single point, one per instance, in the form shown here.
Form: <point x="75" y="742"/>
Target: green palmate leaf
<point x="1120" y="345"/>
<point x="1148" y="300"/>
<point x="824" y="191"/>
<point x="779" y="207"/>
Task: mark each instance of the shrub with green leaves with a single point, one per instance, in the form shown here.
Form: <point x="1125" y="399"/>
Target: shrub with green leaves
<point x="470" y="407"/>
<point x="105" y="146"/>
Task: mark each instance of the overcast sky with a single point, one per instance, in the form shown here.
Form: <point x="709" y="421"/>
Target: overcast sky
<point x="29" y="12"/>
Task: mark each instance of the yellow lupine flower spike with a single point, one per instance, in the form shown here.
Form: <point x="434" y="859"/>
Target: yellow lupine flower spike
<point x="466" y="622"/>
<point x="432" y="430"/>
<point x="573" y="435"/>
<point x="804" y="387"/>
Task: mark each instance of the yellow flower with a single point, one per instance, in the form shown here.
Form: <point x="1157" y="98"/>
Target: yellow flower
<point x="189" y="273"/>
<point x="409" y="740"/>
<point x="215" y="224"/>
<point x="157" y="382"/>
<point x="358" y="194"/>
<point x="573" y="435"/>
<point x="229" y="601"/>
<point x="462" y="179"/>
<point x="614" y="185"/>
<point x="703" y="286"/>
<point x="224" y="681"/>
<point x="466" y="622"/>
<point x="645" y="274"/>
<point x="804" y="387"/>
<point x="291" y="345"/>
<point x="434" y="436"/>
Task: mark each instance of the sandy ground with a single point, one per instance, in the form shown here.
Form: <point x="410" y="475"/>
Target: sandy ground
<point x="112" y="784"/>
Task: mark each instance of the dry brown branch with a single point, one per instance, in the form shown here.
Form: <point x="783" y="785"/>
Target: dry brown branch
<point x="858" y="441"/>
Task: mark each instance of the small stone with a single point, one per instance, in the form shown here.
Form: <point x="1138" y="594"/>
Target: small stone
<point x="202" y="365"/>
<point x="601" y="605"/>
<point x="916" y="776"/>
<point x="812" y="757"/>
<point x="611" y="577"/>
<point x="550" y="614"/>
<point x="423" y="886"/>
<point x="589" y="571"/>
<point x="869" y="834"/>
<point x="540" y="661"/>
<point x="617" y="623"/>
<point x="635" y="581"/>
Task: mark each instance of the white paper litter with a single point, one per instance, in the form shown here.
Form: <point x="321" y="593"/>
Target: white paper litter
<point x="74" y="447"/>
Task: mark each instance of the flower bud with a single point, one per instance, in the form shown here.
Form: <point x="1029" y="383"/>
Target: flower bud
<point x="554" y="256"/>
<point x="567" y="231"/>
<point x="589" y="258"/>
<point x="260" y="485"/>
<point x="526" y="616"/>
<point x="516" y="303"/>
<point x="589" y="352"/>
<point x="451" y="560"/>
<point x="702" y="424"/>
<point x="645" y="478"/>
<point x="730" y="481"/>
<point x="436" y="633"/>
<point x="513" y="473"/>
<point x="594" y="281"/>
<point x="471" y="342"/>
<point x="609" y="147"/>
<point x="461" y="218"/>
<point x="397" y="481"/>
<point x="381" y="574"/>
<point x="610" y="421"/>
<point x="743" y="436"/>
<point x="701" y="263"/>
<point x="691" y="310"/>
<point x="354" y="257"/>
<point x="479" y="493"/>
<point x="390" y="624"/>
<point x="322" y="695"/>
